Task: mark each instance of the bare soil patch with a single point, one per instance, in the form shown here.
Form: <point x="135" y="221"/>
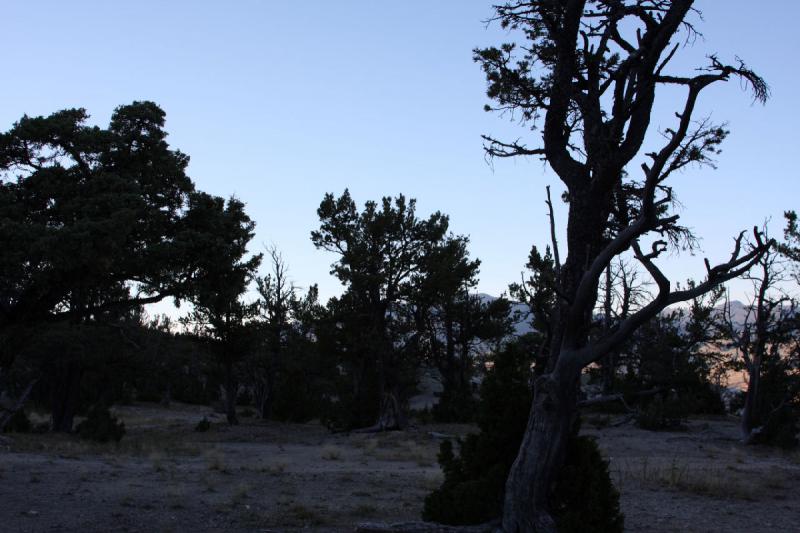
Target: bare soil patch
<point x="266" y="476"/>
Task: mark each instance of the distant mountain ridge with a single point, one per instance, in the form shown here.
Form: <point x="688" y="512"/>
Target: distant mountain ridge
<point x="738" y="310"/>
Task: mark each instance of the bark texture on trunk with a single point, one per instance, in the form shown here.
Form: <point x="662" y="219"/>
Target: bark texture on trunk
<point x="391" y="415"/>
<point x="231" y="390"/>
<point x="529" y="484"/>
<point x="65" y="397"/>
<point x="749" y="422"/>
<point x="526" y="508"/>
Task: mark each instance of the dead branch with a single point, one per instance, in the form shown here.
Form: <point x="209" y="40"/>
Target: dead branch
<point x="737" y="265"/>
<point x="619" y="397"/>
<point x="556" y="257"/>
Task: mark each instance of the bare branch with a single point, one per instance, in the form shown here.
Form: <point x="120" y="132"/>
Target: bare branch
<point x="735" y="267"/>
<point x="495" y="148"/>
<point x="556" y="258"/>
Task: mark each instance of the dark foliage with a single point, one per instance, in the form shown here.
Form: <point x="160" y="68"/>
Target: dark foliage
<point x="662" y="414"/>
<point x="781" y="429"/>
<point x="765" y="340"/>
<point x="381" y="251"/>
<point x="19" y="423"/>
<point x="472" y="492"/>
<point x="585" y="499"/>
<point x="101" y="426"/>
<point x="95" y="223"/>
<point x="664" y="355"/>
<point x="778" y="406"/>
<point x="203" y="426"/>
<point x="455" y="405"/>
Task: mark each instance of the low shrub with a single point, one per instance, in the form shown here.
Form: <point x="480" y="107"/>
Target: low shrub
<point x="781" y="429"/>
<point x="661" y="414"/>
<point x="455" y="406"/>
<point x="203" y="425"/>
<point x="19" y="423"/>
<point x="584" y="498"/>
<point x="101" y="426"/>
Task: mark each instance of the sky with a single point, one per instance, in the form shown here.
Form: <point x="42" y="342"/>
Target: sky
<point x="279" y="102"/>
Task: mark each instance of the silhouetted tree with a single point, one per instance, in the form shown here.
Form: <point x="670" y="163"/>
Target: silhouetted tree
<point x="219" y="280"/>
<point x="622" y="293"/>
<point x="278" y="297"/>
<point x="590" y="69"/>
<point x="87" y="210"/>
<point x="285" y="367"/>
<point x="668" y="365"/>
<point x="90" y="226"/>
<point x="537" y="291"/>
<point x="764" y="340"/>
<point x="440" y="308"/>
<point x="304" y="383"/>
<point x="475" y="474"/>
<point x="380" y="250"/>
<point x="455" y="327"/>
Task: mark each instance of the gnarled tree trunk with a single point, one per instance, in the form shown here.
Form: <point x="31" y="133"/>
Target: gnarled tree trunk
<point x="541" y="455"/>
<point x="65" y="396"/>
<point x="750" y="409"/>
<point x="391" y="414"/>
<point x="231" y="391"/>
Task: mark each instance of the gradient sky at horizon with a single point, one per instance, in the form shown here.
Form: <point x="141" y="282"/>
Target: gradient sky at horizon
<point x="280" y="102"/>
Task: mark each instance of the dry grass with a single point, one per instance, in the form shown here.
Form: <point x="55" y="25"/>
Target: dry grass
<point x="331" y="453"/>
<point x="405" y="451"/>
<point x="157" y="459"/>
<point x="365" y="510"/>
<point x="367" y="445"/>
<point x="175" y="497"/>
<point x="209" y="482"/>
<point x="267" y="476"/>
<point x="273" y="468"/>
<point x="169" y="443"/>
<point x="680" y="475"/>
<point x="215" y="461"/>
<point x="299" y="515"/>
<point x="432" y="480"/>
<point x="240" y="493"/>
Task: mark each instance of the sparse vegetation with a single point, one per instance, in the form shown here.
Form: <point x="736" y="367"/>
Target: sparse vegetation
<point x="474" y="480"/>
<point x="157" y="459"/>
<point x="215" y="461"/>
<point x="240" y="493"/>
<point x="203" y="426"/>
<point x="255" y="474"/>
<point x="335" y="408"/>
<point x="680" y="475"/>
<point x="19" y="423"/>
<point x="331" y="453"/>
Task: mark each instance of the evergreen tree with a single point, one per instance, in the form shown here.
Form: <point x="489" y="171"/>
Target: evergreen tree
<point x="219" y="280"/>
<point x="381" y="249"/>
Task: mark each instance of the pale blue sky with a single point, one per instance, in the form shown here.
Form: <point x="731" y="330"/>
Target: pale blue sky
<point x="279" y="102"/>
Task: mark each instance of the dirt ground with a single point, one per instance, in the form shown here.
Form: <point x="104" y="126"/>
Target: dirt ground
<point x="260" y="476"/>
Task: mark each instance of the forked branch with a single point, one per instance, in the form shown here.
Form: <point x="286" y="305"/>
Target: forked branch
<point x="736" y="266"/>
